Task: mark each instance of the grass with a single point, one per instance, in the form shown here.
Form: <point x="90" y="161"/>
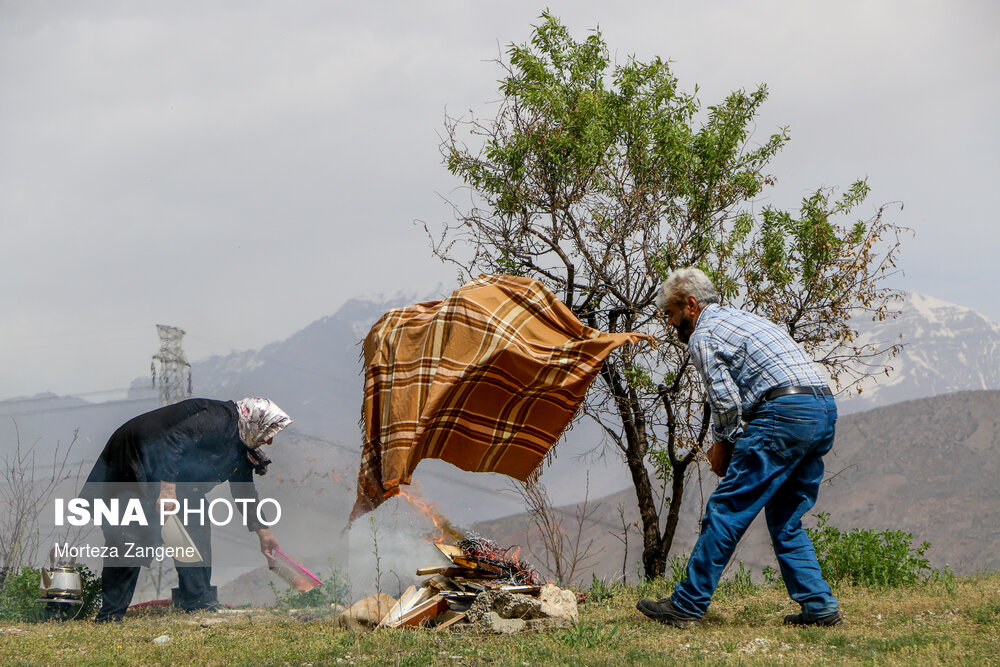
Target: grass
<point x="952" y="622"/>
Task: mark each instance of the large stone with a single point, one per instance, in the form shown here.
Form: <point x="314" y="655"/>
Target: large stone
<point x="506" y="605"/>
<point x="559" y="603"/>
<point x="491" y="621"/>
<point x="365" y="614"/>
<point x="504" y="612"/>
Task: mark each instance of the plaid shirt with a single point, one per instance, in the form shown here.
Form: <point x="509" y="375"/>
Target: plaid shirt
<point x="741" y="356"/>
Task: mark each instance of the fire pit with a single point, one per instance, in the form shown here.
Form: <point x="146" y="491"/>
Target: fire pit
<point x="478" y="569"/>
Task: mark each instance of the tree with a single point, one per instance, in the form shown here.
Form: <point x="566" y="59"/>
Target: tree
<point x="599" y="180"/>
<point x="563" y="551"/>
<point x="23" y="496"/>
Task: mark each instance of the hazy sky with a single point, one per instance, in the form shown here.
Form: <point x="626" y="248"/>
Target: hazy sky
<point x="240" y="169"/>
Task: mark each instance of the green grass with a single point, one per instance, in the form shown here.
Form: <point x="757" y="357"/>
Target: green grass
<point x="953" y="622"/>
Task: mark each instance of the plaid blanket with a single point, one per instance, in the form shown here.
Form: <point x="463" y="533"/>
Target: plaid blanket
<point x="486" y="380"/>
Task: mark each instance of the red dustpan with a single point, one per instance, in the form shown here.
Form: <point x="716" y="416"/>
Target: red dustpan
<point x="293" y="573"/>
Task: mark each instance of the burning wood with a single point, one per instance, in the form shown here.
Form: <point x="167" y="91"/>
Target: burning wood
<point x="477" y="565"/>
<point x="484" y="552"/>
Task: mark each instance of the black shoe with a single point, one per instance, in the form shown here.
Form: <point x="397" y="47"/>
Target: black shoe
<point x="664" y="611"/>
<point x="826" y="619"/>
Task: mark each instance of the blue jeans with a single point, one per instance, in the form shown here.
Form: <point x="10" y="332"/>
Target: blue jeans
<point x="777" y="466"/>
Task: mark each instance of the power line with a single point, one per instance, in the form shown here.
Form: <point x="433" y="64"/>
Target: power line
<point x="88" y="406"/>
<point x="59" y="397"/>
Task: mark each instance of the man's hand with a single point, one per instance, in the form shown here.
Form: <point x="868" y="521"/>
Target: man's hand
<point x="719" y="455"/>
<point x="268" y="542"/>
<point x="168" y="491"/>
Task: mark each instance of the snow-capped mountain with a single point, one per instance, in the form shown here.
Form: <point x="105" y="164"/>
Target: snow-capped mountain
<point x="315" y="375"/>
<point x="946" y="348"/>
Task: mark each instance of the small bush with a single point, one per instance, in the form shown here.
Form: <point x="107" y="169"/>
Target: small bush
<point x="20" y="590"/>
<point x="335" y="590"/>
<point x="867" y="558"/>
<point x="986" y="614"/>
<point x="772" y="577"/>
<point x="678" y="565"/>
<point x="590" y="635"/>
<point x="739" y="585"/>
<point x="601" y="591"/>
<point x="945" y="577"/>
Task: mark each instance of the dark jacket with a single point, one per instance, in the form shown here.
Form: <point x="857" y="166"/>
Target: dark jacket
<point x="195" y="443"/>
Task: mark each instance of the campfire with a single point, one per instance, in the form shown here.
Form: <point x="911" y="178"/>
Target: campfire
<point x="482" y="585"/>
<point x="476" y="565"/>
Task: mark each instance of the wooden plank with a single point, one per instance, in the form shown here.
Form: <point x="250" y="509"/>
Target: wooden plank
<point x="527" y="590"/>
<point x="449" y="618"/>
<point x="424" y="571"/>
<point x="421" y="613"/>
<point x="441" y="583"/>
<point x="459" y="572"/>
<point x="449" y="550"/>
<point x="403" y="604"/>
<point x="478" y="566"/>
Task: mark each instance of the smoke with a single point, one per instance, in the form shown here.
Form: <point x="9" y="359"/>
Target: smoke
<point x="386" y="548"/>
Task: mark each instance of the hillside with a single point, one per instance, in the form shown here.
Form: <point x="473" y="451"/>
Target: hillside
<point x="952" y="622"/>
<point x="928" y="467"/>
<point x="314" y="375"/>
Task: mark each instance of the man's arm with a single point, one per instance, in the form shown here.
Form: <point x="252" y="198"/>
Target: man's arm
<point x="723" y="394"/>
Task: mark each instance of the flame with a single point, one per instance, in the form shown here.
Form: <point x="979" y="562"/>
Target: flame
<point x="515" y="556"/>
<point x="443" y="528"/>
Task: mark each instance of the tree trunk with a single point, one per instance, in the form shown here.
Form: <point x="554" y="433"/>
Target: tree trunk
<point x="676" y="497"/>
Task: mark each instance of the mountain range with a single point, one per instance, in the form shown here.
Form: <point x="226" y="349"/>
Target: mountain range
<point x="315" y="376"/>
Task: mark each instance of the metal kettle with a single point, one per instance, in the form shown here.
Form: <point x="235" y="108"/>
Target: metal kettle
<point x="61" y="581"/>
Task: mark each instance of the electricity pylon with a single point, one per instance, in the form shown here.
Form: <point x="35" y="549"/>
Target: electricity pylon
<point x="173" y="366"/>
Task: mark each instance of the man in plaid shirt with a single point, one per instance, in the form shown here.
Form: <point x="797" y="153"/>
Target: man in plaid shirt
<point x="756" y="375"/>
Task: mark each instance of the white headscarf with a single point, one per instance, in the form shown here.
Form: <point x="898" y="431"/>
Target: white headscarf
<point x="260" y="420"/>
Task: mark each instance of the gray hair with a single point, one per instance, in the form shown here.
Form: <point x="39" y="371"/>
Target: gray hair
<point x="686" y="282"/>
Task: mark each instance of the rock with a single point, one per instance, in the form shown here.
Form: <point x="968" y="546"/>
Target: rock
<point x="559" y="603"/>
<point x="543" y="624"/>
<point x="504" y="612"/>
<point x="162" y="639"/>
<point x="506" y="605"/>
<point x="365" y="614"/>
<point x="491" y="621"/>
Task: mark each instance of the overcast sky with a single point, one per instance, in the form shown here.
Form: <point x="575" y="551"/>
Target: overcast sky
<point x="240" y="169"/>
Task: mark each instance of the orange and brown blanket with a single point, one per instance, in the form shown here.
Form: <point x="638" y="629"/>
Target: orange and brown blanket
<point x="486" y="379"/>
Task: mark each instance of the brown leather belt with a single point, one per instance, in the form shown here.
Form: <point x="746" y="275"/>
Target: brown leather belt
<point x="777" y="392"/>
